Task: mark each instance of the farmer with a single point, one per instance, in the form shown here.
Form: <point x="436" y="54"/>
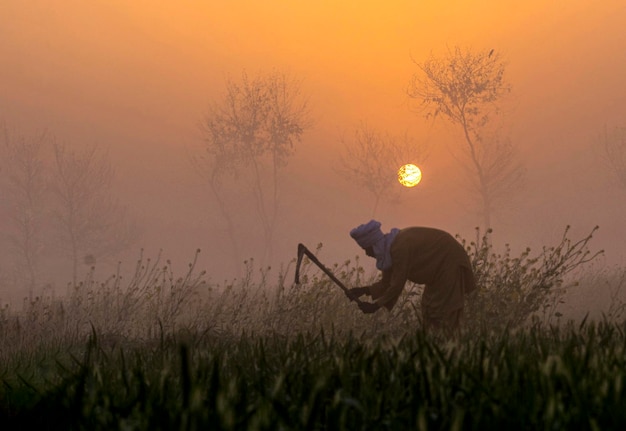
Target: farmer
<point x="422" y="255"/>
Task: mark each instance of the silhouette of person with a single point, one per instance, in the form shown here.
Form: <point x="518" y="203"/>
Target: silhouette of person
<point x="422" y="255"/>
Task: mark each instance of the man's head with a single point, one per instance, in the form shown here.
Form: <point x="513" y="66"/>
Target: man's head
<point x="367" y="234"/>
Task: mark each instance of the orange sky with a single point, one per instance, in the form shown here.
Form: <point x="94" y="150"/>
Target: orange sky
<point x="164" y="63"/>
<point x="137" y="76"/>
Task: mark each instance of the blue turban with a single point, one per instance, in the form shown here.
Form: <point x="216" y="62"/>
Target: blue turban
<point x="368" y="234"/>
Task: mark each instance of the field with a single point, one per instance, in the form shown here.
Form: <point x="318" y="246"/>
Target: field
<point x="166" y="352"/>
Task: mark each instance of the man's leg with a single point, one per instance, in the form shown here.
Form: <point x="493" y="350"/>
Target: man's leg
<point x="442" y="303"/>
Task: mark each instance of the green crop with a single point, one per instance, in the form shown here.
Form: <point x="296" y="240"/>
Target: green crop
<point x="540" y="378"/>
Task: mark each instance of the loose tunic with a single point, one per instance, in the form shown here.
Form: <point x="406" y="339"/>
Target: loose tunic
<point x="430" y="257"/>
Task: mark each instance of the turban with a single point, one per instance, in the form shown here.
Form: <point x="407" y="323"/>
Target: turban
<point x="368" y="234"/>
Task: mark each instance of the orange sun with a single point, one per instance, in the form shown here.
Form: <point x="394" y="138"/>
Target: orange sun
<point x="409" y="175"/>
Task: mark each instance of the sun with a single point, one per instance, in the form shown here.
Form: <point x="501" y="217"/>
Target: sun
<point x="409" y="175"/>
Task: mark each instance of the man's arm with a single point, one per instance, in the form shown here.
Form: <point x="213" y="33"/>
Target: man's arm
<point x="375" y="290"/>
<point x="394" y="280"/>
<point x="357" y="292"/>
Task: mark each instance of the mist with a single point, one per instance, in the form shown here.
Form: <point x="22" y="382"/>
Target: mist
<point x="136" y="80"/>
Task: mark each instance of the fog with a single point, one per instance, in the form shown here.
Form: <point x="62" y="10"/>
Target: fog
<point x="136" y="78"/>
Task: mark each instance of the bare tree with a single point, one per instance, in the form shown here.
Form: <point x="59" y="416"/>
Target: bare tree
<point x="503" y="175"/>
<point x="465" y="87"/>
<point x="371" y="159"/>
<point x="92" y="224"/>
<point x="24" y="195"/>
<point x="249" y="136"/>
<point x="614" y="152"/>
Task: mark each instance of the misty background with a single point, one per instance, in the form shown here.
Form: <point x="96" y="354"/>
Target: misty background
<point x="135" y="79"/>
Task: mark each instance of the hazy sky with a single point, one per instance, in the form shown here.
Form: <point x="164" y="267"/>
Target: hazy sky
<point x="136" y="77"/>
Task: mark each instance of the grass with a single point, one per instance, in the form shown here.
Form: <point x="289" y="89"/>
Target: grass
<point x="165" y="352"/>
<point x="539" y="378"/>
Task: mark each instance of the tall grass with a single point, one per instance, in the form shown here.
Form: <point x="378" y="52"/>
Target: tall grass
<point x="159" y="351"/>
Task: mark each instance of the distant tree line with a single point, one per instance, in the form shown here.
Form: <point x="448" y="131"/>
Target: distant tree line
<point x="57" y="201"/>
<point x="613" y="150"/>
<point x="248" y="136"/>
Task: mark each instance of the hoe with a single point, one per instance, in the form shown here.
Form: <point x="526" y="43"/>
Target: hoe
<point x="302" y="250"/>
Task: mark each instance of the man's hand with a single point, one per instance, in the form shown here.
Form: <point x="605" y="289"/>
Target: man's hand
<point x="356" y="292"/>
<point x="368" y="307"/>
